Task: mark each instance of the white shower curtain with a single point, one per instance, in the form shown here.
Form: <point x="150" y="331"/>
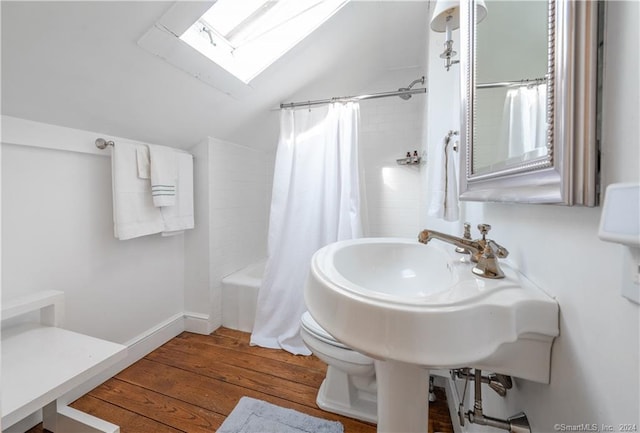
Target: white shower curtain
<point x="315" y="201"/>
<point x="524" y="120"/>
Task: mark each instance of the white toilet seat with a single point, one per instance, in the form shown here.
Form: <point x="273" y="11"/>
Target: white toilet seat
<point x="324" y="345"/>
<point x="311" y="326"/>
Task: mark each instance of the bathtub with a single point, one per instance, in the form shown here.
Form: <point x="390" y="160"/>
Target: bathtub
<point x="240" y="296"/>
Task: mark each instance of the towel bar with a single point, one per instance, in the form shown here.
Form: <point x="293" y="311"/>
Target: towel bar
<point x="102" y="144"/>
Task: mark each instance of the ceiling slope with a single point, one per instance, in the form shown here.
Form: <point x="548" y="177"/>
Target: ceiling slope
<point x="77" y="64"/>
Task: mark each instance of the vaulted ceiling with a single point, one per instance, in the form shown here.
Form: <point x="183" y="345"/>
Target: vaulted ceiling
<point x="77" y="64"/>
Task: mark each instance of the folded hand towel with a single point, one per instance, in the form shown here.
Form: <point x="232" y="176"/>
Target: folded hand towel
<point x="180" y="217"/>
<point x="164" y="173"/>
<point x="133" y="211"/>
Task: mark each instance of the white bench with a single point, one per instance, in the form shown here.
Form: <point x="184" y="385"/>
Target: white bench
<point x="41" y="362"/>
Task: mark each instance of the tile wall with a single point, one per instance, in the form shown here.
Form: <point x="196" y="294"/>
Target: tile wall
<point x="391" y="127"/>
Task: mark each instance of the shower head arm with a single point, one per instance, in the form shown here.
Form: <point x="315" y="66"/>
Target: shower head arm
<point x="407" y="96"/>
<point x="414" y="82"/>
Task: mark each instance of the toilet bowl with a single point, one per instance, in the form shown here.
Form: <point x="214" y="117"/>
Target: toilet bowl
<point x="349" y="387"/>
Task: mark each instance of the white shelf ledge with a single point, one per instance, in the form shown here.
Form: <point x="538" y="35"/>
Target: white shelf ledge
<point x="41" y="363"/>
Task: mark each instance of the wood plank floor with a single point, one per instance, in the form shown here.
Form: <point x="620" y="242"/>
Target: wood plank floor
<point x="193" y="382"/>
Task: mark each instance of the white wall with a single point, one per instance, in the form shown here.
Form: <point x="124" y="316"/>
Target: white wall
<point x="197" y="285"/>
<point x="442" y="116"/>
<point x="241" y="180"/>
<point x="57" y="230"/>
<point x="233" y="195"/>
<point x="595" y="360"/>
<point x="57" y="233"/>
<point x="389" y="128"/>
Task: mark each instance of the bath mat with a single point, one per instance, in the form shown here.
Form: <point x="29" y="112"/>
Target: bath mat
<point x="257" y="416"/>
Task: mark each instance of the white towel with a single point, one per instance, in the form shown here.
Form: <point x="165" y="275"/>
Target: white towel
<point x="524" y="120"/>
<point x="180" y="217"/>
<point x="541" y="116"/>
<point x="142" y="158"/>
<point x="443" y="183"/>
<point x="164" y="175"/>
<point x="451" y="208"/>
<point x="133" y="211"/>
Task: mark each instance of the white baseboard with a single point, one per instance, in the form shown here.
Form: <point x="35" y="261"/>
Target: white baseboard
<point x="197" y="323"/>
<point x="25" y="424"/>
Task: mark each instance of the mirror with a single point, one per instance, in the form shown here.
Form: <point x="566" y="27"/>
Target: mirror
<point x="530" y="72"/>
<point x="511" y="88"/>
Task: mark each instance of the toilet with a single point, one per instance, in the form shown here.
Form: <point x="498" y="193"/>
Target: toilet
<point x="349" y="387"/>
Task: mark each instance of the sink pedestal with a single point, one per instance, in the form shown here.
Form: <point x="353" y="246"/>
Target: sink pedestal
<point x="403" y="397"/>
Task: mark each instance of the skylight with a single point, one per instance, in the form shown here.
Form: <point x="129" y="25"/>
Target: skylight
<point x="245" y="37"/>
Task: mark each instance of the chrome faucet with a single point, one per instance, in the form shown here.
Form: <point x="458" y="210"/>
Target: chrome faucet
<point x="485" y="252"/>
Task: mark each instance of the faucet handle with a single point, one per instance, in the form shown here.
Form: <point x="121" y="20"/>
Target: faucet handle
<point x="467" y="231"/>
<point x="494" y="247"/>
<point x="498" y="249"/>
<point x="466" y="235"/>
<point x="484" y="229"/>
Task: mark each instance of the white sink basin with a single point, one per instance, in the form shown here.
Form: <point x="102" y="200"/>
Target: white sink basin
<point x="396" y="299"/>
<point x="388" y="269"/>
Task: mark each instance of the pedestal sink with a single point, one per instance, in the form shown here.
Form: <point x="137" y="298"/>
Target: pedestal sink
<point x="412" y="307"/>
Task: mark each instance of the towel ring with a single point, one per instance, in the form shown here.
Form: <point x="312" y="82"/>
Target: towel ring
<point x="447" y="139"/>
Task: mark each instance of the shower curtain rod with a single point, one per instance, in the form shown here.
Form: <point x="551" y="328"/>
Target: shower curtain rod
<point x="352" y="98"/>
<point x="526" y="82"/>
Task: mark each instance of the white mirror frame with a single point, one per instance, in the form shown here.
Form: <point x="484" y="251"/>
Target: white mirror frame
<point x="568" y="174"/>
